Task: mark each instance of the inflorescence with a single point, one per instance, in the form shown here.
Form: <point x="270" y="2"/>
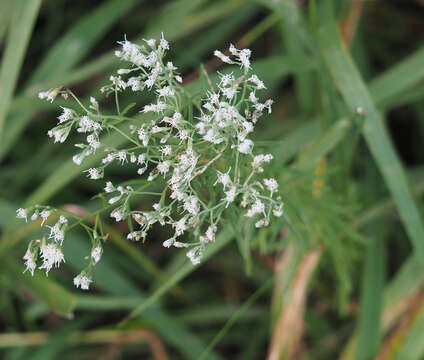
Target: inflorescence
<point x="179" y="145"/>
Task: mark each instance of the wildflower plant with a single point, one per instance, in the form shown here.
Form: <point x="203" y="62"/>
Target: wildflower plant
<point x="178" y="145"/>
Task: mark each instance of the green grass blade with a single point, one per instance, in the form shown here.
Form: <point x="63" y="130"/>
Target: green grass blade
<point x="25" y="13"/>
<point x="60" y="300"/>
<point x="324" y="145"/>
<point x="371" y="301"/>
<point x="79" y="40"/>
<point x="224" y="237"/>
<point x="356" y="94"/>
<point x="398" y="78"/>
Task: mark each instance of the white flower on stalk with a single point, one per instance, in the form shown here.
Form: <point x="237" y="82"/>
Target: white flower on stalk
<point x="191" y="205"/>
<point x="82" y="281"/>
<point x="22" y="214"/>
<point x="163" y="167"/>
<point x="257" y="208"/>
<point x="51" y="256"/>
<point x="245" y="147"/>
<point x="65" y="116"/>
<point x="44" y="215"/>
<point x="209" y="235"/>
<point x="96" y="254"/>
<point x="271" y="184"/>
<point x="30" y="261"/>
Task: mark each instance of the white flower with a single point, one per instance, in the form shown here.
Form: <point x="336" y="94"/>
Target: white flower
<point x="21" y="214"/>
<point x="109" y="187"/>
<point x="230" y="195"/>
<point x="224" y="178"/>
<point x="259" y="84"/>
<point x="30" y="261"/>
<point x="245" y="147"/>
<point x="51" y="256"/>
<point x="62" y="219"/>
<point x="253" y="98"/>
<point x="82" y="281"/>
<point x="209" y="235"/>
<point x="44" y="215"/>
<point x="262" y="223"/>
<point x="195" y="255"/>
<point x="94" y="174"/>
<point x="117" y="215"/>
<point x="77" y="159"/>
<point x="180" y="226"/>
<point x="56" y="234"/>
<point x="271" y="184"/>
<point x="278" y="211"/>
<point x="222" y="57"/>
<point x="65" y="116"/>
<point x="191" y="204"/>
<point x="34" y="216"/>
<point x="168" y="243"/>
<point x="257" y="208"/>
<point x="96" y="254"/>
<point x="163" y="167"/>
<point x="166" y="150"/>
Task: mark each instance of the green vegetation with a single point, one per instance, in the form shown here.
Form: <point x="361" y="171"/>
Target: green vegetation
<point x="340" y="276"/>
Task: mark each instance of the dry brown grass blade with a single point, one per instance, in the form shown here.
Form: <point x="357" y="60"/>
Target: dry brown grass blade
<point x="350" y="23"/>
<point x="289" y="327"/>
<point x="410" y="308"/>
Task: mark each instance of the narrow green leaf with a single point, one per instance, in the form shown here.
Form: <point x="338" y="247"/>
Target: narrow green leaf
<point x="371" y="301"/>
<point x="224" y="237"/>
<point x="77" y="42"/>
<point x="356" y="95"/>
<point x="324" y="145"/>
<point x="24" y="15"/>
<point x="60" y="300"/>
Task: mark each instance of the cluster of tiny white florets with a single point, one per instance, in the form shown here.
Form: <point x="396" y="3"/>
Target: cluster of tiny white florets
<point x="50" y="247"/>
<point x="188" y="148"/>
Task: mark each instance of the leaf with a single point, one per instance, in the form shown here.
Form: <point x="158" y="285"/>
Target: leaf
<point x="78" y="41"/>
<point x="356" y="94"/>
<point x="224" y="237"/>
<point x="371" y="301"/>
<point x="24" y="15"/>
<point x="60" y="300"/>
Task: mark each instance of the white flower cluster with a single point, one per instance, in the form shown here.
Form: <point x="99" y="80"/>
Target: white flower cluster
<point x="185" y="147"/>
<point x="50" y="247"/>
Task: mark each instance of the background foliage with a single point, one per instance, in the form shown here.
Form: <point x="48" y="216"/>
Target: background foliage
<point x="341" y="277"/>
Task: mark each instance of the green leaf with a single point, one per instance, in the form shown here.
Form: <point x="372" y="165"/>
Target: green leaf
<point x="371" y="301"/>
<point x="24" y="15"/>
<point x="60" y="300"/>
<point x="224" y="237"/>
<point x="78" y="41"/>
<point x="356" y="95"/>
<point x="328" y="141"/>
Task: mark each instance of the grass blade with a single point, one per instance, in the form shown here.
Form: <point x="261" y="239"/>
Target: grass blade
<point x="356" y="94"/>
<point x="25" y="13"/>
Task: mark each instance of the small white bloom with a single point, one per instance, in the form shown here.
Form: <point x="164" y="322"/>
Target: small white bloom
<point x="96" y="254"/>
<point x="257" y="208"/>
<point x="271" y="184"/>
<point x="109" y="187"/>
<point x="30" y="261"/>
<point x="82" y="281"/>
<point x="21" y="214"/>
<point x="245" y="147"/>
<point x="51" y="256"/>
<point x="163" y="167"/>
<point x="44" y="215"/>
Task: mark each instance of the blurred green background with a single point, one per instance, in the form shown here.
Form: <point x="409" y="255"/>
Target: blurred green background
<point x="341" y="278"/>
